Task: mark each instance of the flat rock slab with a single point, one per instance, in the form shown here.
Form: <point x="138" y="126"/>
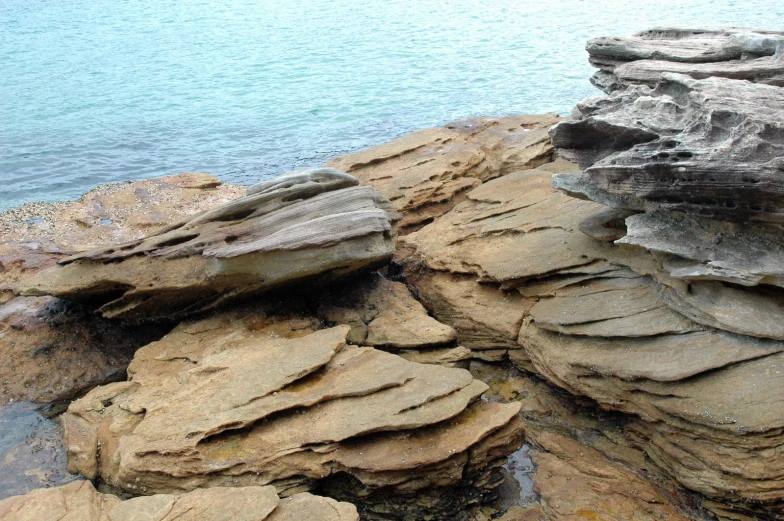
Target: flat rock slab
<point x="426" y="173"/>
<point x="730" y="52"/>
<point x="79" y="501"/>
<point x="314" y="226"/>
<point x="231" y="402"/>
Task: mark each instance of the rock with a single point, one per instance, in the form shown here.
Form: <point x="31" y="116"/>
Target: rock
<point x="736" y="53"/>
<point x="383" y="313"/>
<point x="448" y="356"/>
<point x="53" y="350"/>
<point x="230" y="402"/>
<point x="80" y="501"/>
<point x="624" y="306"/>
<point x="576" y="482"/>
<point x="37" y="235"/>
<point x="426" y="173"/>
<point x="606" y="320"/>
<point x="710" y="148"/>
<point x="485" y="318"/>
<point x="694" y="248"/>
<point x="302" y="227"/>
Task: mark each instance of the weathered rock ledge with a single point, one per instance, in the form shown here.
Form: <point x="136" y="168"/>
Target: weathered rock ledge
<point x="310" y="226"/>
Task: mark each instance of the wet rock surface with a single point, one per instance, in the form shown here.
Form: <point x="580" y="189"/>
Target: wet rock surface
<point x="53" y="350"/>
<point x="32" y="451"/>
<point x="314" y="226"/>
<point x="80" y="501"/>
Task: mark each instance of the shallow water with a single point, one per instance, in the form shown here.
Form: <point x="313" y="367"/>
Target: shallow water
<point x="32" y="450"/>
<point x="103" y="91"/>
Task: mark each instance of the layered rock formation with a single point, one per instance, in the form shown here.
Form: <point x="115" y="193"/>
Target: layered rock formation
<point x="691" y="169"/>
<point x="79" y="501"/>
<point x="53" y="350"/>
<point x="426" y="173"/>
<point x="314" y="225"/>
<point x="736" y="53"/>
<point x="239" y="400"/>
<point x="671" y="318"/>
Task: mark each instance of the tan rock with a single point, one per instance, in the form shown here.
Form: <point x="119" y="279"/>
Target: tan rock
<point x="298" y="227"/>
<point x="484" y="317"/>
<point x="79" y="501"/>
<point x="227" y="401"/>
<point x="383" y="313"/>
<point x="52" y="351"/>
<point x="36" y="235"/>
<point x="576" y="482"/>
<point x="426" y="173"/>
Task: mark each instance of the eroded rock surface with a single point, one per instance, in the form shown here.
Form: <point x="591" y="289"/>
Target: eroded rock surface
<point x="53" y="350"/>
<point x="710" y="148"/>
<point x="79" y="501"/>
<point x="313" y="226"/>
<point x="736" y="53"/>
<point x="688" y="338"/>
<point x="607" y="321"/>
<point x="426" y="173"/>
<point x="383" y="313"/>
<point x="230" y="401"/>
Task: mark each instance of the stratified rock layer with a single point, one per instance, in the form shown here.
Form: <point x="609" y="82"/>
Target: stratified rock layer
<point x="736" y="53"/>
<point x="607" y="321"/>
<point x="426" y="173"/>
<point x="712" y="148"/>
<point x="315" y="225"/>
<point x="683" y="326"/>
<point x="234" y="401"/>
<point x="79" y="501"/>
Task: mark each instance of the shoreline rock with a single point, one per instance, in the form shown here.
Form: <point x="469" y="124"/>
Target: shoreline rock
<point x="314" y="226"/>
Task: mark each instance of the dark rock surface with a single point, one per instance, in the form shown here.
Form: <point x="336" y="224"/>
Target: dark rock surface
<point x="712" y="148"/>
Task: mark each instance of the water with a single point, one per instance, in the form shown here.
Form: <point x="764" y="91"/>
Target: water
<point x="32" y="450"/>
<point x="106" y="90"/>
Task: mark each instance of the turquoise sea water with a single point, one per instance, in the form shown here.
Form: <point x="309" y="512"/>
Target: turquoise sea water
<point x="109" y="90"/>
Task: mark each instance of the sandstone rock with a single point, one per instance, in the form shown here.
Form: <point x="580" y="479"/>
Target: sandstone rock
<point x="37" y="235"/>
<point x="710" y="148"/>
<point x="485" y="318"/>
<point x="383" y="313"/>
<point x="426" y="173"/>
<point x="607" y="321"/>
<point x="576" y="482"/>
<point x="79" y="501"/>
<point x="53" y="350"/>
<point x="218" y="402"/>
<point x="737" y="53"/>
<point x="313" y="227"/>
<point x="702" y="249"/>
